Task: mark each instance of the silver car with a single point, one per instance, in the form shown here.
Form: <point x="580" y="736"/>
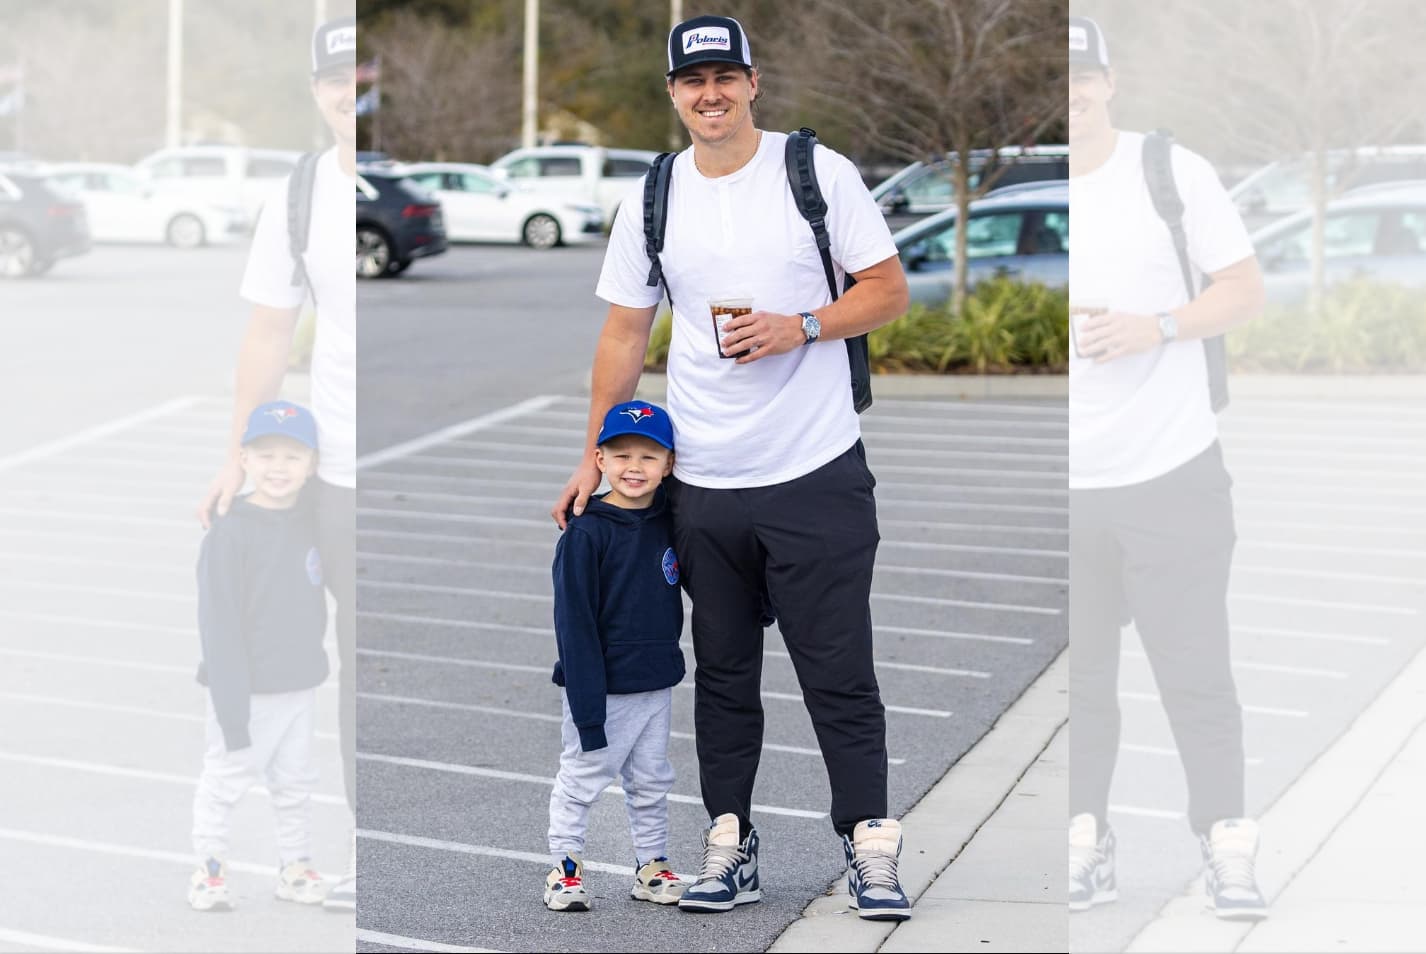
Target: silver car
<point x="1022" y="235"/>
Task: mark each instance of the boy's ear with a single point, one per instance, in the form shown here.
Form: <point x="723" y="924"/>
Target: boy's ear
<point x="668" y="465"/>
<point x="599" y="458"/>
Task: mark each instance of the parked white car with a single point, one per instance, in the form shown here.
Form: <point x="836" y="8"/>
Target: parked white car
<point x="122" y="206"/>
<point x="480" y="207"/>
<point x="221" y="175"/>
<point x="582" y="173"/>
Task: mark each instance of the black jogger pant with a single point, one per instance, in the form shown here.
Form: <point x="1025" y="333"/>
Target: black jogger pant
<point x="336" y="542"/>
<point x="806" y="546"/>
<point x="1163" y="549"/>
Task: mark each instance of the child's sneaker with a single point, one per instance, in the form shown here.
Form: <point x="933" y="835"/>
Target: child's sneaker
<point x="872" y="853"/>
<point x="301" y="883"/>
<point x="730" y="870"/>
<point x="1230" y="882"/>
<point x="208" y="888"/>
<point x="656" y="882"/>
<point x="564" y="886"/>
<point x="1091" y="864"/>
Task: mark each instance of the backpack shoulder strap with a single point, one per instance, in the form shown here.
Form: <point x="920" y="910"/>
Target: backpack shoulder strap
<point x="1163" y="192"/>
<point x="300" y="186"/>
<point x="656" y="186"/>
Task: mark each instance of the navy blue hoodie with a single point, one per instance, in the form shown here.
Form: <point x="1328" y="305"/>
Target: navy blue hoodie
<point x="618" y="613"/>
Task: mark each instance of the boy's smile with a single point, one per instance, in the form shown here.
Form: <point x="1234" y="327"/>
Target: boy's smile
<point x="277" y="467"/>
<point x="634" y="467"/>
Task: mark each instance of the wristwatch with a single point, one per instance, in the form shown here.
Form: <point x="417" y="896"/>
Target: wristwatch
<point x="1168" y="326"/>
<point x="811" y="327"/>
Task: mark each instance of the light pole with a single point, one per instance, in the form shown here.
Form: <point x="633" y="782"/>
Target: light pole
<point x="529" y="117"/>
<point x="173" y="128"/>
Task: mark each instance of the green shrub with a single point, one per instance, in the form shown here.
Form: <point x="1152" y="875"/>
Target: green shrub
<point x="1363" y="327"/>
<point x="1007" y="327"/>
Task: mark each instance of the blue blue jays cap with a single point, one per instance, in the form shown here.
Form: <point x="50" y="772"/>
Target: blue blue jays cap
<point x="637" y="417"/>
<point x="284" y="419"/>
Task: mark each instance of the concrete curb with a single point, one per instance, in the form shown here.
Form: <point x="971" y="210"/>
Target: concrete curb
<point x="1304" y="818"/>
<point x="942" y="824"/>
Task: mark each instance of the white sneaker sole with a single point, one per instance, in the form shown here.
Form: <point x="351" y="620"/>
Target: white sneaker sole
<point x="208" y="905"/>
<point x="1236" y="914"/>
<point x="641" y="893"/>
<point x="880" y="914"/>
<point x="556" y="903"/>
<point x="743" y="897"/>
<point x="300" y="897"/>
<point x="1100" y="897"/>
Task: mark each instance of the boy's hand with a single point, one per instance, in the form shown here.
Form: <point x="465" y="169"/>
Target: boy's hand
<point x="584" y="482"/>
<point x="221" y="492"/>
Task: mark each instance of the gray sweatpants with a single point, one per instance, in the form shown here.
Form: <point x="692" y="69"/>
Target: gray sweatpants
<point x="636" y="726"/>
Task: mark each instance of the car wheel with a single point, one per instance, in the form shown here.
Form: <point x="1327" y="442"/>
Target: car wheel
<point x="541" y="231"/>
<point x="17" y="253"/>
<point x="396" y="268"/>
<point x="185" y="231"/>
<point x="373" y="253"/>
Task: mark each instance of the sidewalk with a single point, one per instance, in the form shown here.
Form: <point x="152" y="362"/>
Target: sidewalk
<point x="984" y="849"/>
<point x="1340" y="861"/>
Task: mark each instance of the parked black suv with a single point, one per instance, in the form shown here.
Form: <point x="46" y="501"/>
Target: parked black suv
<point x="396" y="221"/>
<point x="38" y="225"/>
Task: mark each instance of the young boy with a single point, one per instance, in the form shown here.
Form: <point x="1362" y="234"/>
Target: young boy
<point x="261" y="618"/>
<point x="618" y="618"/>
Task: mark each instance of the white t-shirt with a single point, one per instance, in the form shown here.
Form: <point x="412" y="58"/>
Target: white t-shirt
<point x="1139" y="417"/>
<point x="741" y="235"/>
<point x="268" y="281"/>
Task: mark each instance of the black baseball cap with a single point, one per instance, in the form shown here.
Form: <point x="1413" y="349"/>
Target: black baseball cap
<point x="1086" y="44"/>
<point x="707" y="39"/>
<point x="334" y="45"/>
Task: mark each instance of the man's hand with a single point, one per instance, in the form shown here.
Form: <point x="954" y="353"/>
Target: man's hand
<point x="764" y="333"/>
<point x="221" y="492"/>
<point x="1116" y="334"/>
<point x="584" y="482"/>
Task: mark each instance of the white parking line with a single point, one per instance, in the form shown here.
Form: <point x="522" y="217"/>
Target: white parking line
<point x="546" y="717"/>
<point x="1304" y="634"/>
<point x="969" y="604"/>
<point x="416" y="841"/>
<point x="92" y="434"/>
<point x="1325" y="604"/>
<point x="1330" y="548"/>
<point x="98" y="661"/>
<point x="177" y="501"/>
<point x="60" y="536"/>
<point x="446" y="561"/>
<point x="881" y="664"/>
<point x="501" y="464"/>
<point x="451" y="538"/>
<point x="1138" y="812"/>
<point x="91" y="561"/>
<point x="1056" y="477"/>
<point x="1327" y="574"/>
<point x="455" y="518"/>
<point x="1256" y="710"/>
<point x="972" y="575"/>
<point x="943" y="634"/>
<point x="97" y="517"/>
<point x="104" y="464"/>
<point x="976" y="527"/>
<point x="100" y="623"/>
<point x="455" y="431"/>
<point x="45" y="942"/>
<point x="1350" y="529"/>
<point x="504" y="776"/>
<point x="1304" y="671"/>
<point x="142" y="775"/>
<point x="101" y="590"/>
<point x="454" y="590"/>
<point x="28" y="699"/>
<point x="129" y="851"/>
<point x="418" y="944"/>
<point x="971" y="548"/>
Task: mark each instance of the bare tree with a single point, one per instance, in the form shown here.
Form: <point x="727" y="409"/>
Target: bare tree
<point x="926" y="79"/>
<point x="446" y="92"/>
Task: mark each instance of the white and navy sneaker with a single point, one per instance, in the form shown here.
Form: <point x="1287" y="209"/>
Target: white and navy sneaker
<point x="1229" y="879"/>
<point x="1091" y="864"/>
<point x="872" y="852"/>
<point x="657" y="882"/>
<point x="730" y="870"/>
<point x="564" y="886"/>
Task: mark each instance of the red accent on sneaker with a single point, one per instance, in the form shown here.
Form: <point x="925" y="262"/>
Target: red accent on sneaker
<point x="571" y="882"/>
<point x="214" y="882"/>
<point x="667" y="875"/>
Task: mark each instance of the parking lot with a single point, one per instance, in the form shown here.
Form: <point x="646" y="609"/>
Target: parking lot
<point x="116" y="370"/>
<point x="458" y="723"/>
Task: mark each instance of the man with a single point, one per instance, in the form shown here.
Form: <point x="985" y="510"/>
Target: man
<point x="772" y="499"/>
<point x="275" y="287"/>
<point x="1151" y="515"/>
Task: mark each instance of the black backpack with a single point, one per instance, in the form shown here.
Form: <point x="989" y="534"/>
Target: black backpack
<point x="299" y="217"/>
<point x="1158" y="174"/>
<point x="802" y="180"/>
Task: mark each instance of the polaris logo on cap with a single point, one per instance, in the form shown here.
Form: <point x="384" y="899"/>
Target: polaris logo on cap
<point x="341" y="41"/>
<point x="1078" y="38"/>
<point x="707" y="38"/>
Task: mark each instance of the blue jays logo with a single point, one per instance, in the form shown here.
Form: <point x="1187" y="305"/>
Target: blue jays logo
<point x="314" y="567"/>
<point x="282" y="414"/>
<point x="637" y="414"/>
<point x="670" y="567"/>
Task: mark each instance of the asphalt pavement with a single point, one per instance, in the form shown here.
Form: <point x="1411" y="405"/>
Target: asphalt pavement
<point x="458" y="721"/>
<point x="114" y="373"/>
